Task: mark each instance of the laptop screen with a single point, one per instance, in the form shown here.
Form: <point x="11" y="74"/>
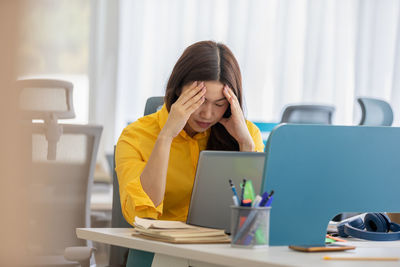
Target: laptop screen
<point x="212" y="195"/>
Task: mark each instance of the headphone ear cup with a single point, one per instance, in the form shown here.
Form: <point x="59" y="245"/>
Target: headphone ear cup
<point x="356" y="223"/>
<point x="385" y="217"/>
<point x="377" y="222"/>
<point x="394" y="227"/>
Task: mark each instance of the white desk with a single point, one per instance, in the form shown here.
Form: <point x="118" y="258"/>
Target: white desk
<point x="224" y="255"/>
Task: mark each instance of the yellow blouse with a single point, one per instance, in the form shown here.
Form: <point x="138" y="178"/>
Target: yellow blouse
<point x="133" y="151"/>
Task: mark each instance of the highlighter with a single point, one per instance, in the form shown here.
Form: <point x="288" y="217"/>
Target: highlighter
<point x="249" y="190"/>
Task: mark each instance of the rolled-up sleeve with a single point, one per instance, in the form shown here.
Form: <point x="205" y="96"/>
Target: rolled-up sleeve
<point x="131" y="157"/>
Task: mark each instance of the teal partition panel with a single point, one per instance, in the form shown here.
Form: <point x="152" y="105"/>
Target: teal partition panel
<point x="318" y="171"/>
<point x="265" y="129"/>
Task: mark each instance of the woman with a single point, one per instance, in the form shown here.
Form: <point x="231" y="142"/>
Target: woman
<point x="156" y="156"/>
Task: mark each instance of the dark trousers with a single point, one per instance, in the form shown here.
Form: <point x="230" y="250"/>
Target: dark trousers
<point x="139" y="258"/>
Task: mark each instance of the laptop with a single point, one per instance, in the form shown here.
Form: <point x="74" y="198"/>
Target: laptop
<point x="212" y="195"/>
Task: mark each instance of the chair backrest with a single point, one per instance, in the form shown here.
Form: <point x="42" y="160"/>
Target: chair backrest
<point x="308" y="114"/>
<point x="61" y="188"/>
<point x="375" y="112"/>
<point x="40" y="98"/>
<point x="117" y="254"/>
<point x="153" y="104"/>
<point x="63" y="163"/>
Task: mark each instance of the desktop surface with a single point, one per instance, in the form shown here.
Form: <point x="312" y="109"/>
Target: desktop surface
<point x="225" y="255"/>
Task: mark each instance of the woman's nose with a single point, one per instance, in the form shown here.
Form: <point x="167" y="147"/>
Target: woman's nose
<point x="206" y="111"/>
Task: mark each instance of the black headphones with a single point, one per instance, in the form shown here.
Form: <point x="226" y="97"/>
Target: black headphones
<point x="376" y="225"/>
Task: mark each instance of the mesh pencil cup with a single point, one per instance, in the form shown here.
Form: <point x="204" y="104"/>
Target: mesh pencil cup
<point x="250" y="226"/>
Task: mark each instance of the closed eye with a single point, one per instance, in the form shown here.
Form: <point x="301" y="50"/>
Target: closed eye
<point x="221" y="102"/>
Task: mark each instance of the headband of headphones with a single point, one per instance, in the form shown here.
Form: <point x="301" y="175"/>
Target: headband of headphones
<point x="375" y="227"/>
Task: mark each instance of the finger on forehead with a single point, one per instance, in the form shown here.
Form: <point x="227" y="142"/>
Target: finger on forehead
<point x="229" y="91"/>
<point x="233" y="97"/>
<point x="190" y="92"/>
<point x="191" y="86"/>
<point x="232" y="93"/>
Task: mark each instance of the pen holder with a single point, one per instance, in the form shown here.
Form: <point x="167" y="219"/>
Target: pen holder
<point x="250" y="226"/>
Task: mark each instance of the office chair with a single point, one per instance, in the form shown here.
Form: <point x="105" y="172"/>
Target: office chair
<point x="63" y="163"/>
<point x="375" y="112"/>
<point x="118" y="254"/>
<point x="153" y="104"/>
<point x="308" y="114"/>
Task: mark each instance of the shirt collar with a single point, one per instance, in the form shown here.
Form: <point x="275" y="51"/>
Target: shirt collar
<point x="163" y="116"/>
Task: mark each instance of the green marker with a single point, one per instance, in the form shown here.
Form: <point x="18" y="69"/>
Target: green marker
<point x="249" y="191"/>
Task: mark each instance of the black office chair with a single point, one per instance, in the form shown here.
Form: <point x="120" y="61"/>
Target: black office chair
<point x="153" y="104"/>
<point x="118" y="255"/>
<point x="308" y="114"/>
<point x="375" y="112"/>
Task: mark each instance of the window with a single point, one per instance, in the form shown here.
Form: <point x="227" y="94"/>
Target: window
<point x="55" y="44"/>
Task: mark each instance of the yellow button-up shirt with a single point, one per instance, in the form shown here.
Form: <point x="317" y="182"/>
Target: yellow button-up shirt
<point x="132" y="153"/>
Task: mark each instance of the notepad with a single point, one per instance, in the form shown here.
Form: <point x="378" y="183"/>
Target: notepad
<point x="177" y="232"/>
<point x="159" y="224"/>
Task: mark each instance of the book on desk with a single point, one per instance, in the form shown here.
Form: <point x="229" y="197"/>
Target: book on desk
<point x="177" y="232"/>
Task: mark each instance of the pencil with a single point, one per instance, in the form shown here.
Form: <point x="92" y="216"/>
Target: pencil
<point x="336" y="238"/>
<point x="361" y="258"/>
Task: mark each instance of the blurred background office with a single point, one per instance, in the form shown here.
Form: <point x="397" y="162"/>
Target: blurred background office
<point x="119" y="53"/>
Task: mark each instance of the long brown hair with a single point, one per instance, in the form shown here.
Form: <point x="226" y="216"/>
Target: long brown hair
<point x="207" y="61"/>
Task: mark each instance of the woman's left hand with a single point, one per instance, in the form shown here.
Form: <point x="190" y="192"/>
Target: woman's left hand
<point x="236" y="123"/>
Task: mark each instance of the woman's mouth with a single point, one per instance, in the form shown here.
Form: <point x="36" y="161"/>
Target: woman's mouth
<point x="203" y="125"/>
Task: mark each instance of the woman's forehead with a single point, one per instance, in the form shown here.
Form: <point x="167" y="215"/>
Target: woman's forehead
<point x="214" y="90"/>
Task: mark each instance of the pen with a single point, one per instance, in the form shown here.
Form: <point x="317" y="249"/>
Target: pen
<point x="361" y="258"/>
<point x="266" y="198"/>
<point x="247" y="239"/>
<point x="235" y="201"/>
<point x="243" y="185"/>
<point x="235" y="195"/>
<point x="256" y="201"/>
<point x="269" y="202"/>
<point x="245" y="226"/>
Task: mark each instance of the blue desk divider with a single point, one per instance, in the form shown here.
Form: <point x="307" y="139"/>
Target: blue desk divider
<point x="318" y="171"/>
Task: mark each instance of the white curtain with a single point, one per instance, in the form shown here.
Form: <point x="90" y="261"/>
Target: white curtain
<point x="289" y="51"/>
<point x="103" y="71"/>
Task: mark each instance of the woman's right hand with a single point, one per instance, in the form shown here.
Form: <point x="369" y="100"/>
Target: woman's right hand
<point x="189" y="100"/>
